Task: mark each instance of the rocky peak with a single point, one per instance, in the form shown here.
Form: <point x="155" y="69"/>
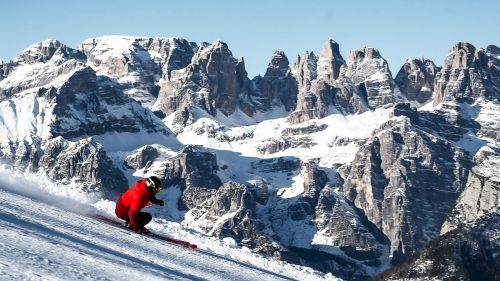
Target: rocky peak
<point x="138" y="63"/>
<point x="278" y="87"/>
<point x="171" y="53"/>
<point x="211" y="82"/>
<point x="44" y="51"/>
<point x="416" y="79"/>
<point x="195" y="168"/>
<point x="279" y="65"/>
<point x="370" y="72"/>
<point x="304" y="70"/>
<point x="468" y="74"/>
<point x="41" y="51"/>
<point x="364" y="63"/>
<point x="367" y="53"/>
<point x="330" y="61"/>
<point x="493" y="51"/>
<point x="462" y="55"/>
<point x="241" y="72"/>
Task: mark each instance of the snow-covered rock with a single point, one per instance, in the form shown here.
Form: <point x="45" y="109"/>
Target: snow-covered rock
<point x="315" y="164"/>
<point x="51" y="96"/>
<point x="368" y="69"/>
<point x="469" y="74"/>
<point x="481" y="195"/>
<point x="210" y="82"/>
<point x="406" y="180"/>
<point x="138" y="63"/>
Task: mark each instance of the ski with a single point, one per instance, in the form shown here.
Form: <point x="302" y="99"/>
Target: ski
<point x="179" y="242"/>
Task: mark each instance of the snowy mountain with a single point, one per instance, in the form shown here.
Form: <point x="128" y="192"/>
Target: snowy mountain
<point x="327" y="163"/>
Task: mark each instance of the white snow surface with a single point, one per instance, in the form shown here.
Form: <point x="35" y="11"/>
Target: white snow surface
<point x="47" y="233"/>
<point x="229" y="133"/>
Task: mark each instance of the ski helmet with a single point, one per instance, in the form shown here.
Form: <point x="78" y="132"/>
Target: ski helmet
<point x="153" y="183"/>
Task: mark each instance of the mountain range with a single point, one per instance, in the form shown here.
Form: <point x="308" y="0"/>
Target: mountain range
<point x="329" y="163"/>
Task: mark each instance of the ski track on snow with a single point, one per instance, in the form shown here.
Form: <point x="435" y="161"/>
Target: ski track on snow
<point x="42" y="242"/>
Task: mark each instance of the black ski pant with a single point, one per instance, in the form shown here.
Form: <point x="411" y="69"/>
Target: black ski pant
<point x="141" y="219"/>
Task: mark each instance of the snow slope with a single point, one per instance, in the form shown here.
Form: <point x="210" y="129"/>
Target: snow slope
<point x="46" y="235"/>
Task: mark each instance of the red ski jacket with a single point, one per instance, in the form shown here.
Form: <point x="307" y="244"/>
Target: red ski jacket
<point x="132" y="202"/>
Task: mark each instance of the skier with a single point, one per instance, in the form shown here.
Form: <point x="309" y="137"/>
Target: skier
<point x="130" y="203"/>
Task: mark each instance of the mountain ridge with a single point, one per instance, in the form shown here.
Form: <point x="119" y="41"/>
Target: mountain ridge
<point x="323" y="156"/>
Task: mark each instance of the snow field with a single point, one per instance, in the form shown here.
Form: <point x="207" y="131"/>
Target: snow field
<point x="47" y="234"/>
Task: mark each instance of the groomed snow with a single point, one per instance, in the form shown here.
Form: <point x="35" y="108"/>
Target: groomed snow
<point x="46" y="234"/>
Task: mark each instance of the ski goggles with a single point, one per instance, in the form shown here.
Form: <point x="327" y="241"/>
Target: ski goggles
<point x="152" y="186"/>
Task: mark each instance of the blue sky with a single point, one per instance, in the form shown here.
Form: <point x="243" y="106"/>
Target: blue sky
<point x="254" y="29"/>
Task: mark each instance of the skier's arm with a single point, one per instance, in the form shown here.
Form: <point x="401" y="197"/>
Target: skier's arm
<point x="156" y="201"/>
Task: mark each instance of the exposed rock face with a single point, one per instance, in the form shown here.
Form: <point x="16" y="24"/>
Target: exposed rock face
<point x="450" y="122"/>
<point x="277" y="87"/>
<point x="44" y="51"/>
<point x="195" y="168"/>
<point x="41" y="65"/>
<point x="466" y="253"/>
<point x="488" y="117"/>
<point x="406" y="181"/>
<point x="304" y="71"/>
<point x="469" y="74"/>
<point x="136" y="63"/>
<point x="364" y="83"/>
<point x="286" y="227"/>
<point x="210" y="82"/>
<point x="327" y="94"/>
<point x="94" y="105"/>
<point x="334" y="217"/>
<point x="3" y="70"/>
<point x="338" y="227"/>
<point x="196" y="171"/>
<point x="84" y="163"/>
<point x="314" y="104"/>
<point x="274" y="145"/>
<point x="415" y="79"/>
<point x="144" y="158"/>
<point x="314" y="181"/>
<point x="329" y="62"/>
<point x="237" y="202"/>
<point x="481" y="195"/>
<point x="280" y="164"/>
<point x="367" y="69"/>
<point x="349" y="98"/>
<point x="293" y="131"/>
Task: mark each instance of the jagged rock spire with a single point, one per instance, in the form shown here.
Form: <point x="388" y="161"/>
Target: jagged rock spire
<point x="330" y="61"/>
<point x="415" y="79"/>
<point x="468" y="74"/>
